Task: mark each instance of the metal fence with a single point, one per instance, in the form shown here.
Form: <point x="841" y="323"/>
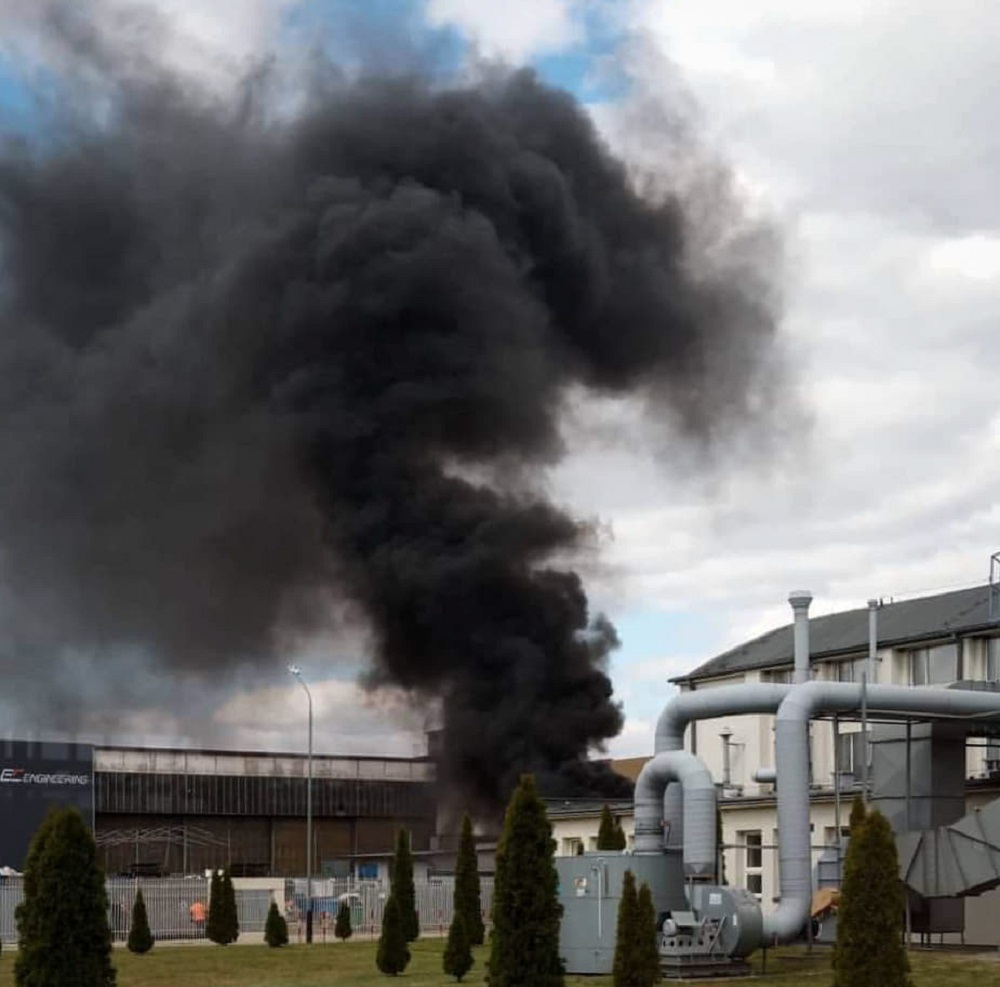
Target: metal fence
<point x="367" y="902"/>
<point x="169" y="902"/>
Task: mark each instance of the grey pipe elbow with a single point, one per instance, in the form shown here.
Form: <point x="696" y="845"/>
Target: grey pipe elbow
<point x="700" y="847"/>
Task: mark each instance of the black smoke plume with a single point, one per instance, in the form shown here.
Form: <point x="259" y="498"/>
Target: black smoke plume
<point x="254" y="363"/>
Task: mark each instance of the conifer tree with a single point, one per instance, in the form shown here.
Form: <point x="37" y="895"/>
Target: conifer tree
<point x="458" y="952"/>
<point x="231" y="920"/>
<point x="342" y="927"/>
<point x="468" y="900"/>
<point x="216" y="921"/>
<point x="140" y="939"/>
<point x="524" y="945"/>
<point x="869" y="951"/>
<point x="403" y="889"/>
<point x="606" y="830"/>
<point x="623" y="971"/>
<point x="393" y="954"/>
<point x="62" y="922"/>
<point x="275" y="927"/>
<point x="647" y="940"/>
<point x="621" y="840"/>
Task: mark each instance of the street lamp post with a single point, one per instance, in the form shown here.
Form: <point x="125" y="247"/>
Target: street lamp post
<point x="297" y="673"/>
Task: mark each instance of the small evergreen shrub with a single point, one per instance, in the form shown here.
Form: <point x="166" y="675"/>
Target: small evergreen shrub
<point x="342" y="928"/>
<point x="275" y="928"/>
<point x="140" y="939"/>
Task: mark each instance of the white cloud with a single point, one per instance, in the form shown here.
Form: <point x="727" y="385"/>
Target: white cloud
<point x="347" y="719"/>
<point x="514" y="30"/>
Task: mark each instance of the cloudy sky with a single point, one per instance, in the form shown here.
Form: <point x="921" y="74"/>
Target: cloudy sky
<point x="865" y="131"/>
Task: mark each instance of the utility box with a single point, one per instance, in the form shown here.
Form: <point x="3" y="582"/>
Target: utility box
<point x="590" y="891"/>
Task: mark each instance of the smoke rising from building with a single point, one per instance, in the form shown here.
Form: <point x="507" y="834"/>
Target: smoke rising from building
<point x="255" y="365"/>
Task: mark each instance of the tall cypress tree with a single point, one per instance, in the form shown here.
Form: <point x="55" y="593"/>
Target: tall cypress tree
<point x="647" y="940"/>
<point x="623" y="970"/>
<point x="620" y="841"/>
<point x="140" y="939"/>
<point x="230" y="926"/>
<point x="403" y="889"/>
<point x="468" y="899"/>
<point x="869" y="951"/>
<point x="524" y="945"/>
<point x="393" y="955"/>
<point x="62" y="922"/>
<point x="606" y="830"/>
<point x="457" y="959"/>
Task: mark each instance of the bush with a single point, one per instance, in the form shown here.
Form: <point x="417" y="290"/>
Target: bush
<point x="610" y="835"/>
<point x="275" y="928"/>
<point x="231" y="927"/>
<point x="393" y="954"/>
<point x="458" y="952"/>
<point x="869" y="951"/>
<point x="342" y="928"/>
<point x="524" y="945"/>
<point x="223" y="926"/>
<point x="140" y="939"/>
<point x="402" y="887"/>
<point x="606" y="830"/>
<point x="468" y="900"/>
<point x="62" y="923"/>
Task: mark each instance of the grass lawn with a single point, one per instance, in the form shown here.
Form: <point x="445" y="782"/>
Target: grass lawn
<point x="354" y="963"/>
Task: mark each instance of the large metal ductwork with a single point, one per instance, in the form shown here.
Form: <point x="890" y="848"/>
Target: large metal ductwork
<point x="728" y="700"/>
<point x="676" y="788"/>
<point x="792" y="764"/>
<point x="700" y="849"/>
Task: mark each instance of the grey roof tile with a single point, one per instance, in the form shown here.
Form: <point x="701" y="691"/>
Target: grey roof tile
<point x="907" y="622"/>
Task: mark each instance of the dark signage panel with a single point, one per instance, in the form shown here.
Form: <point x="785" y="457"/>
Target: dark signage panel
<point x="35" y="776"/>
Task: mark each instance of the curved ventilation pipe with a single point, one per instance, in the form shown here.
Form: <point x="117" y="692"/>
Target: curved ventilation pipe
<point x="803" y="703"/>
<point x="699" y="809"/>
<point x="727" y="700"/>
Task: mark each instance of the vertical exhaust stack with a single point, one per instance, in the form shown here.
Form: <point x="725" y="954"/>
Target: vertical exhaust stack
<point x="800" y="600"/>
<point x="873" y="606"/>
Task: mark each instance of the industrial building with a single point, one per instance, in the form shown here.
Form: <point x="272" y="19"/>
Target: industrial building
<point x="174" y="811"/>
<point x="898" y="699"/>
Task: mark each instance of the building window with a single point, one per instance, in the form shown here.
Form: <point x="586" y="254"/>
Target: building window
<point x="934" y="666"/>
<point x="571" y="846"/>
<point x="753" y="861"/>
<point x="850" y="670"/>
<point x="850" y="753"/>
<point x="993" y="659"/>
<point x="780" y="676"/>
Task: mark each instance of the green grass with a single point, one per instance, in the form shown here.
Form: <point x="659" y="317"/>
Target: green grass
<point x="353" y="963"/>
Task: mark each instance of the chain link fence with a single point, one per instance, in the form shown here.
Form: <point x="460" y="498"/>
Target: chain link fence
<point x="178" y="906"/>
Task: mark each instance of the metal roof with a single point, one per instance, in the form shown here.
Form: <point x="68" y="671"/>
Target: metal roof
<point x="907" y="622"/>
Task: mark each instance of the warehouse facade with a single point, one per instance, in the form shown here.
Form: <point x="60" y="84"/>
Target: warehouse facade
<point x="175" y="811"/>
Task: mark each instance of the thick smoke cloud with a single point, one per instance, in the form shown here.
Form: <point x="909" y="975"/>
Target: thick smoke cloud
<point x="253" y="367"/>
